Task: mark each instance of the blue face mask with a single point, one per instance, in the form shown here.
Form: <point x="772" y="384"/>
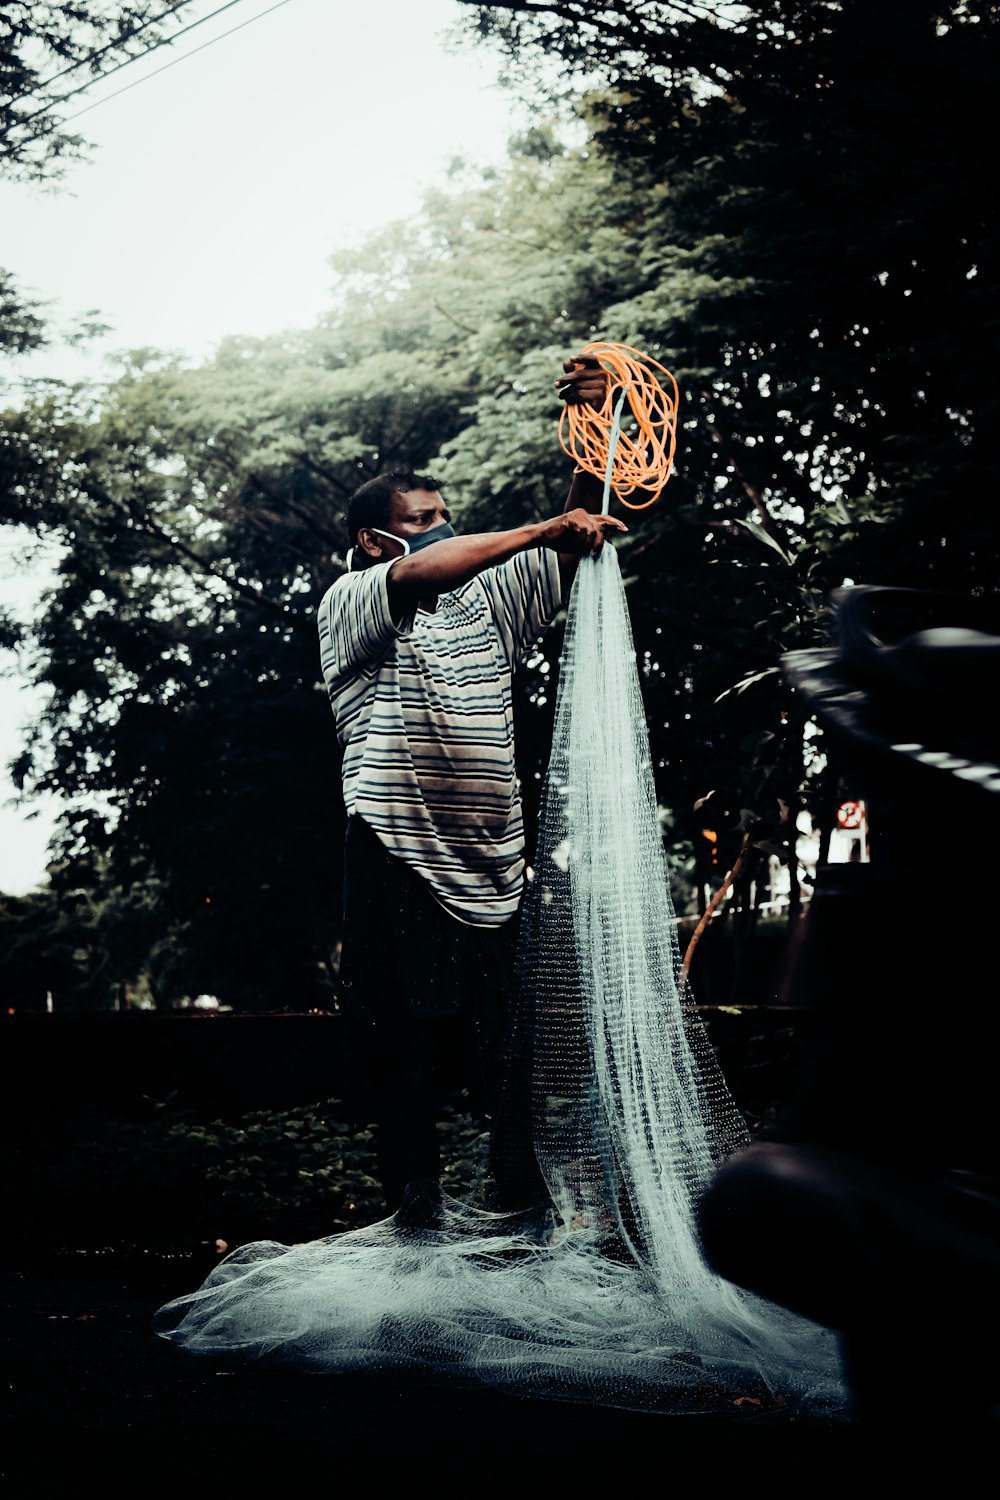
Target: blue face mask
<point x="417" y="543"/>
<point x="413" y="544"/>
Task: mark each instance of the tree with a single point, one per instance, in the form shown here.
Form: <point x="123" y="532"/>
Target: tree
<point x="198" y="513"/>
<point x="21" y="326"/>
<point x="197" y="516"/>
<point x="828" y="172"/>
<point x="827" y="176"/>
<point x="51" y="54"/>
<point x="836" y="422"/>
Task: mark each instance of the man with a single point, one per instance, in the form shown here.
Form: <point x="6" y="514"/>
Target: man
<point x="419" y="641"/>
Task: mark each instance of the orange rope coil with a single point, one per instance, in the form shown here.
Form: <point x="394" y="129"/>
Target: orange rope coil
<point x="643" y="458"/>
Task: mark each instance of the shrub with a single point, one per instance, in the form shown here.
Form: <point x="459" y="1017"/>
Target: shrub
<point x="274" y="1174"/>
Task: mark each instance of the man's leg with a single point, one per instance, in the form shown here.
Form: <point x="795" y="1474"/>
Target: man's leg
<point x="408" y="1099"/>
<point x="404" y="975"/>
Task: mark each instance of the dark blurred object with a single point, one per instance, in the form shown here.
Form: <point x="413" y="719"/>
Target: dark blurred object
<point x="874" y="1204"/>
<point x="908" y="700"/>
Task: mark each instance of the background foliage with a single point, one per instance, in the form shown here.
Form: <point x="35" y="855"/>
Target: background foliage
<point x="793" y="205"/>
<point x="180" y="1179"/>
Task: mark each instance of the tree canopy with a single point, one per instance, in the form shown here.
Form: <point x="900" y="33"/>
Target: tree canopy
<point x="767" y="205"/>
<point x="49" y="56"/>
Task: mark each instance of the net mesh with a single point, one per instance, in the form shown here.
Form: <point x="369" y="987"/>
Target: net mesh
<point x="577" y="1272"/>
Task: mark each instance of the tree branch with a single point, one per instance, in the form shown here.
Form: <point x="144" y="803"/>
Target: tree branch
<point x="773" y="528"/>
<point x="464" y="327"/>
<point x="142" y="522"/>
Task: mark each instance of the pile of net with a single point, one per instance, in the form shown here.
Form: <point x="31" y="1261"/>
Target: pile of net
<point x="596" y="1290"/>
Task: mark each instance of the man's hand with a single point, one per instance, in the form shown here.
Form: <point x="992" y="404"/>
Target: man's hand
<point x="585" y="383"/>
<point x="578" y="533"/>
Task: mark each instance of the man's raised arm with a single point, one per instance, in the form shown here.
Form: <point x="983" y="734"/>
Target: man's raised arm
<point x="579" y="531"/>
<point x="585" y="383"/>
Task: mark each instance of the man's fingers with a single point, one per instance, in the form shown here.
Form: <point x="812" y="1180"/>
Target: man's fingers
<point x="585" y="380"/>
<point x="592" y="377"/>
<point x="583" y="520"/>
<point x="588" y="533"/>
<point x="590" y="392"/>
<point x="606" y="524"/>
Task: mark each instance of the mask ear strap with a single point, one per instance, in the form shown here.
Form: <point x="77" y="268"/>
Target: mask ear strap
<point x="400" y="539"/>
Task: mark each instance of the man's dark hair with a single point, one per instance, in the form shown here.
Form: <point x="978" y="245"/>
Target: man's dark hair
<point x="370" y="504"/>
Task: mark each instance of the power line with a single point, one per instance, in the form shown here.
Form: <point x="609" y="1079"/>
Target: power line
<point x="54" y="103"/>
<point x="173" y="62"/>
<point x="98" y="52"/>
<point x="148" y="51"/>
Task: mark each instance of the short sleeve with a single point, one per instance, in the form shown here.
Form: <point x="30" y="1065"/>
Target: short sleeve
<point x="524" y="595"/>
<point x="356" y="627"/>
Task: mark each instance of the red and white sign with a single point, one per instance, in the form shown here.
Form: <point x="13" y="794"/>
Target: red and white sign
<point x="851" y="815"/>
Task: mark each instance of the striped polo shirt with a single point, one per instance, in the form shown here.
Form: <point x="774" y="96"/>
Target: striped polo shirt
<point x="423" y="710"/>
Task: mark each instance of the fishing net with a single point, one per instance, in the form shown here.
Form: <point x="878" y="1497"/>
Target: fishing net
<point x="577" y="1272"/>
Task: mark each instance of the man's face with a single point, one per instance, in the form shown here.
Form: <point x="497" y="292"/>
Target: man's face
<point x="411" y="513"/>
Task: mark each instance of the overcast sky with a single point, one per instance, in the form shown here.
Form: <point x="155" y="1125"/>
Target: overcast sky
<point x="214" y="196"/>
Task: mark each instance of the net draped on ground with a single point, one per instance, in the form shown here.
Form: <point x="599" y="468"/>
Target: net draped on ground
<point x="597" y="1291"/>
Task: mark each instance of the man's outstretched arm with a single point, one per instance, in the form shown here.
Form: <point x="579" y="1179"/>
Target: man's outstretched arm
<point x="448" y="564"/>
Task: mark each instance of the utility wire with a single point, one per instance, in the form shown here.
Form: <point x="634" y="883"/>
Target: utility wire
<point x="148" y="51"/>
<point x="82" y="62"/>
<point x="163" y="42"/>
<point x="173" y="62"/>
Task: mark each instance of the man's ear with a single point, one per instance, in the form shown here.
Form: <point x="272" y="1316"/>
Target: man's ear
<point x="369" y="542"/>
